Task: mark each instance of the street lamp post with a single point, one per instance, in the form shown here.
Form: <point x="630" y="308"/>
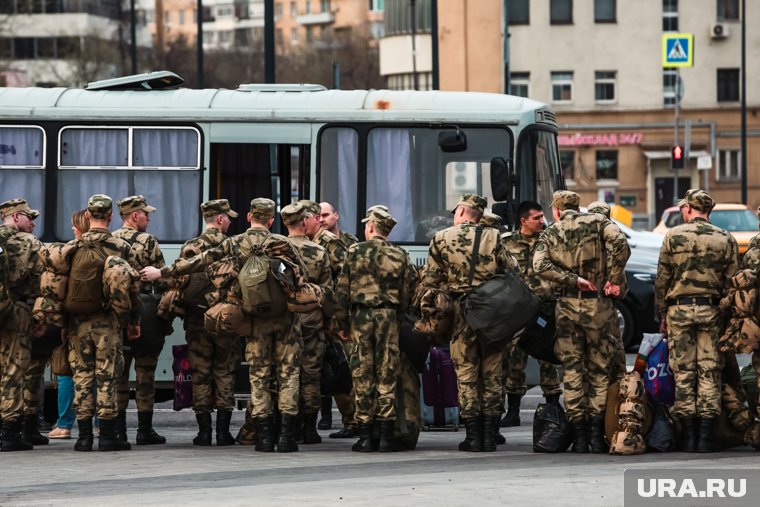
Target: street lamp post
<point x="744" y="103"/>
<point x="199" y="43"/>
<point x="133" y="35"/>
<point x="413" y="4"/>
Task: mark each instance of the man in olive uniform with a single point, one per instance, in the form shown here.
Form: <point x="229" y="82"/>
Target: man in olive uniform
<point x="479" y="374"/>
<point x="24" y="270"/>
<point x="273" y="342"/>
<point x="95" y="339"/>
<point x="373" y="293"/>
<point x="302" y="223"/>
<point x="521" y="244"/>
<point x="329" y="218"/>
<point x="135" y="214"/>
<point x="697" y="259"/>
<point x="752" y="260"/>
<point x="212" y="357"/>
<point x="583" y="256"/>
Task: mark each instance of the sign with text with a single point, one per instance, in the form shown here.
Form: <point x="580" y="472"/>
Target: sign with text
<point x="684" y="487"/>
<point x="615" y="139"/>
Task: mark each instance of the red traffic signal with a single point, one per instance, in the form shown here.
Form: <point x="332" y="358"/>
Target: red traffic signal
<point x="676" y="157"/>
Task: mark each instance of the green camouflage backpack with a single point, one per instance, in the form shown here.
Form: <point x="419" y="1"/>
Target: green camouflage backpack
<point x="263" y="295"/>
<point x="84" y="293"/>
<point x="6" y="303"/>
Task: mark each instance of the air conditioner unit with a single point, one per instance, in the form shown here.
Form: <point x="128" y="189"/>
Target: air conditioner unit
<point x="719" y="30"/>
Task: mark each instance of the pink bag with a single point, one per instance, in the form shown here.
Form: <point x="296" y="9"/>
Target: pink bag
<point x="183" y="379"/>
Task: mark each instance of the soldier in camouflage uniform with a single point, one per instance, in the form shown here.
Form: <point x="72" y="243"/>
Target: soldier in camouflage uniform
<point x="479" y="375"/>
<point x="135" y="213"/>
<point x="521" y="244"/>
<point x="273" y="342"/>
<point x="212" y="357"/>
<point x="336" y="242"/>
<point x="303" y="222"/>
<point x="697" y="259"/>
<point x="25" y="268"/>
<point x="584" y="257"/>
<point x="610" y="317"/>
<point x="95" y="340"/>
<point x="373" y="293"/>
<point x="752" y="260"/>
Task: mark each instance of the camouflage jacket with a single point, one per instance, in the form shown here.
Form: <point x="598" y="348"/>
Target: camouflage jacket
<point x="317" y="272"/>
<point x="117" y="247"/>
<point x="147" y="253"/>
<point x="24" y="262"/>
<point x="119" y="280"/>
<point x="335" y="249"/>
<point x="347" y="239"/>
<point x="696" y="259"/>
<point x="376" y="274"/>
<point x="522" y="247"/>
<point x="586" y="245"/>
<point x="448" y="262"/>
<point x="752" y="255"/>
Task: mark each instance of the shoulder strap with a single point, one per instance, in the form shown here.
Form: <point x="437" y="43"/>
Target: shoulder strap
<point x="475" y="254"/>
<point x="132" y="238"/>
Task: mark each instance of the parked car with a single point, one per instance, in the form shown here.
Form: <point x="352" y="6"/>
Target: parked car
<point x="737" y="219"/>
<point x="636" y="312"/>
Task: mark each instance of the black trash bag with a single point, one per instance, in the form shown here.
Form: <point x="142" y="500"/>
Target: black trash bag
<point x="661" y="436"/>
<point x="336" y="374"/>
<point x="415" y="345"/>
<point x="551" y="430"/>
<point x="541" y="334"/>
<point x="153" y="329"/>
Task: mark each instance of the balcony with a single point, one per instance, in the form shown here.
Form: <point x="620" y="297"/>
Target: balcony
<point x="316" y="18"/>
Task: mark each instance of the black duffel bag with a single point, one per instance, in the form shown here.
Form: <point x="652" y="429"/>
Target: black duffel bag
<point x="153" y="329"/>
<point x="540" y="335"/>
<point x="336" y="374"/>
<point x="415" y="345"/>
<point x="42" y="346"/>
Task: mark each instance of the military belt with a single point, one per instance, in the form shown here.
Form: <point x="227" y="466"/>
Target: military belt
<point x="698" y="301"/>
<point x="581" y="294"/>
<point x="384" y="306"/>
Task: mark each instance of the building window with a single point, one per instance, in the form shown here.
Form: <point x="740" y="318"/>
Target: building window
<point x="167" y="17"/>
<point x="604" y="11"/>
<point x="294" y="35"/>
<point x="606" y="165"/>
<point x="518" y="12"/>
<point x="518" y="83"/>
<point x="562" y="86"/>
<point x="567" y="162"/>
<point x="181" y="17"/>
<point x="669" y="79"/>
<point x="278" y="36"/>
<point x="278" y="9"/>
<point x="308" y="7"/>
<point x="377" y="5"/>
<point x="729" y="162"/>
<point x="561" y="12"/>
<point x="669" y="15"/>
<point x="309" y="34"/>
<point x="728" y="85"/>
<point x="604" y="85"/>
<point x="293" y="9"/>
<point x="325" y="5"/>
<point x="728" y="10"/>
<point x="225" y="36"/>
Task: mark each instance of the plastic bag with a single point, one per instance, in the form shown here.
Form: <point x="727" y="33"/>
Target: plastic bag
<point x="183" y="379"/>
<point x="661" y="437"/>
<point x="659" y="382"/>
<point x="551" y="430"/>
<point x="336" y="374"/>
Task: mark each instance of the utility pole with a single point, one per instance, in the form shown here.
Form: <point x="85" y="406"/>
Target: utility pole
<point x="269" y="70"/>
<point x="505" y="31"/>
<point x="744" y="103"/>
<point x="415" y="80"/>
<point x="199" y="43"/>
<point x="133" y="34"/>
<point x="675" y="130"/>
<point x="434" y="35"/>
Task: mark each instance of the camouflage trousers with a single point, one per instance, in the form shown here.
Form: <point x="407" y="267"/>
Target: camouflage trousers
<point x="479" y="376"/>
<point x="15" y="357"/>
<point x="95" y="354"/>
<point x="145" y="381"/>
<point x="213" y="359"/>
<point x="32" y="380"/>
<point x="611" y="331"/>
<point x="374" y="359"/>
<point x="693" y="333"/>
<point x="513" y="372"/>
<point x="312" y="358"/>
<point x="586" y="353"/>
<point x="275" y="347"/>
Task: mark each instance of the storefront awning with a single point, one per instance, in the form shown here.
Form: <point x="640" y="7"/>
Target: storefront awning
<point x="659" y="155"/>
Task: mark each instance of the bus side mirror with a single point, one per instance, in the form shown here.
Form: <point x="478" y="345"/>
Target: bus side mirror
<point x="452" y="141"/>
<point x="499" y="179"/>
<point x="507" y="213"/>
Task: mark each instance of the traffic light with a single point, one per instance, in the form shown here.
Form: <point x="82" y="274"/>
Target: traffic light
<point x="676" y="157"/>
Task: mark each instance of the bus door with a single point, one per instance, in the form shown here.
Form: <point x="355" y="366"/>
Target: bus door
<point x="258" y="160"/>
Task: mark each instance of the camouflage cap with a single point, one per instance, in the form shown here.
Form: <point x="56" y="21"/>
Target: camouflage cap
<point x="134" y="203"/>
<point x="474" y="201"/>
<point x="490" y="219"/>
<point x="697" y="199"/>
<point x="217" y="207"/>
<point x="381" y="218"/>
<point x="261" y="207"/>
<point x="100" y="206"/>
<point x="599" y="207"/>
<point x="381" y="207"/>
<point x="8" y="208"/>
<point x="565" y="199"/>
<point x="311" y="207"/>
<point x="293" y="213"/>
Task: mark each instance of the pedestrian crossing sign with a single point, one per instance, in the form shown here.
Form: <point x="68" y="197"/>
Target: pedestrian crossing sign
<point x="678" y="50"/>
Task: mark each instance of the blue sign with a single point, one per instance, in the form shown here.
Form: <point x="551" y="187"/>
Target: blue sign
<point x="678" y="50"/>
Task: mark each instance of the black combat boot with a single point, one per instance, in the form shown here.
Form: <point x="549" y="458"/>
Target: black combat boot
<point x="84" y="442"/>
<point x="346" y="432"/>
<point x="223" y="435"/>
<point x="203" y="438"/>
<point x="705" y="443"/>
<point x="121" y="426"/>
<point x="687" y="441"/>
<point x="552" y="399"/>
<point x="31" y="433"/>
<point x="12" y="440"/>
<point x="107" y="440"/>
<point x="310" y="435"/>
<point x="580" y="436"/>
<point x="325" y="421"/>
<point x="473" y="440"/>
<point x="364" y="444"/>
<point x="513" y="411"/>
<point x="287" y="440"/>
<point x="264" y="440"/>
<point x="490" y="430"/>
<point x="146" y="435"/>
<point x="386" y="437"/>
<point x="596" y="436"/>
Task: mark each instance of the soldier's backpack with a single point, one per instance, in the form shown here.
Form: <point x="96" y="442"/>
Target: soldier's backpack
<point x="6" y="303"/>
<point x="84" y="293"/>
<point x="263" y="295"/>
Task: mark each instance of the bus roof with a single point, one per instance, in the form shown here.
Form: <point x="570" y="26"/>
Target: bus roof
<point x="270" y="104"/>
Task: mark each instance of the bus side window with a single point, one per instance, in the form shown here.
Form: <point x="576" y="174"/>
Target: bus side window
<point x="338" y="173"/>
<point x="22" y="173"/>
